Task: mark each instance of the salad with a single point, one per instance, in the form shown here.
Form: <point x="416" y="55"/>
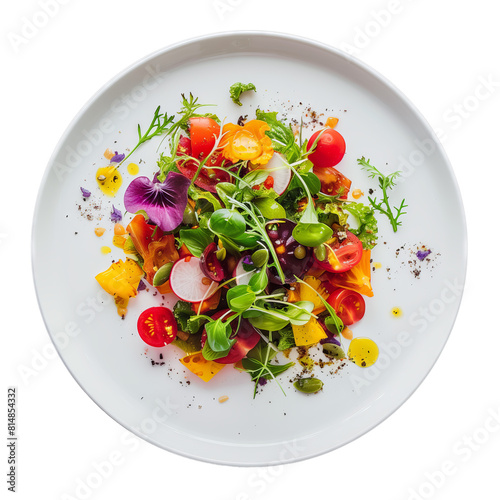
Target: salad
<point x="258" y="235"/>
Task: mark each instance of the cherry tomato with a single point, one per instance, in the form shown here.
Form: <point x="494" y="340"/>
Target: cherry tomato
<point x="329" y="150"/>
<point x="157" y="326"/>
<point x="246" y="339"/>
<point x="208" y="177"/>
<point x="332" y="181"/>
<point x="340" y="255"/>
<point x="204" y="132"/>
<point x="349" y="305"/>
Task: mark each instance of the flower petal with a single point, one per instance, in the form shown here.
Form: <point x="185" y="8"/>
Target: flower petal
<point x="422" y="254"/>
<point x="117" y="158"/>
<point x="164" y="202"/>
<point x="116" y="215"/>
<point x="85" y="192"/>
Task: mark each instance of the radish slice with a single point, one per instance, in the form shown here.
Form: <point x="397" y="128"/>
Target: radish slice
<point x="188" y="281"/>
<point x="282" y="173"/>
<point x="242" y="276"/>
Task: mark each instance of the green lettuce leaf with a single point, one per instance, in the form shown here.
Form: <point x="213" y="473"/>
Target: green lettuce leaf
<point x="237" y="89"/>
<point x="367" y="229"/>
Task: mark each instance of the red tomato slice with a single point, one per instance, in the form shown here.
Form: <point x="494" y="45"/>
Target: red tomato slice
<point x="204" y="132"/>
<point x="341" y="255"/>
<point x="330" y="148"/>
<point x="246" y="339"/>
<point x="333" y="182"/>
<point x="157" y="326"/>
<point x="208" y="177"/>
<point x="349" y="305"/>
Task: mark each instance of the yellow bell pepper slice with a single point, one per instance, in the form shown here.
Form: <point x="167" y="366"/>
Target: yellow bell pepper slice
<point x="312" y="295"/>
<point x="308" y="334"/>
<point x="204" y="369"/>
<point x="121" y="279"/>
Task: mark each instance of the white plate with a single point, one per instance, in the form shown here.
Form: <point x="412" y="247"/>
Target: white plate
<point x="174" y="409"/>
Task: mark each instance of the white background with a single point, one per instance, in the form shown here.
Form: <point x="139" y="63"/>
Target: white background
<point x="437" y="53"/>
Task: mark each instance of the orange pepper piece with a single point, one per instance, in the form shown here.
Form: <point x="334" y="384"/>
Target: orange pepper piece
<point x="358" y="278"/>
<point x="159" y="253"/>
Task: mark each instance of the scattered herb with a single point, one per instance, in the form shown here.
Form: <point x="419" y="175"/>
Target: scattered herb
<point x="237" y="89"/>
<point x="385" y="183"/>
<point x="257" y="365"/>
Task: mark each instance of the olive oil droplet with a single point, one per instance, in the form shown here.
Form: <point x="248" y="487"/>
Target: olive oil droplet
<point x="396" y="312"/>
<point x="109" y="180"/>
<point x="363" y="352"/>
<point x="133" y="168"/>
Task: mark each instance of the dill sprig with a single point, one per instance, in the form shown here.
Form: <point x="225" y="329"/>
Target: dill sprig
<point x="386" y="182"/>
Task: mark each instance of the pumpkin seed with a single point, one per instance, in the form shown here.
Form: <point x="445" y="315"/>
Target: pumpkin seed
<point x="308" y="385"/>
<point x="162" y="275"/>
<point x="333" y="351"/>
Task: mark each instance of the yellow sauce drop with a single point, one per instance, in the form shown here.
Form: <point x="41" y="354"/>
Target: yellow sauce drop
<point x="331" y="122"/>
<point x="357" y="193"/>
<point x="306" y="362"/>
<point x="363" y="352"/>
<point x="396" y="312"/>
<point x="377" y="265"/>
<point x="133" y="168"/>
<point x="105" y="250"/>
<point x="109" y="180"/>
<point x="99" y="231"/>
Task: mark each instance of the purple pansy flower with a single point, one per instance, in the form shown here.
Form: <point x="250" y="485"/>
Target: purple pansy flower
<point x="422" y="254"/>
<point x="116" y="215"/>
<point x="85" y="192"/>
<point x="164" y="202"/>
<point x="117" y="158"/>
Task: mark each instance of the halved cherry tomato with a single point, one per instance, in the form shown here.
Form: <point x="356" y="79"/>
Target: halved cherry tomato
<point x="208" y="177"/>
<point x="329" y="150"/>
<point x="341" y="255"/>
<point x="333" y="182"/>
<point x="204" y="132"/>
<point x="246" y="339"/>
<point x="143" y="234"/>
<point x="349" y="305"/>
<point x="157" y="326"/>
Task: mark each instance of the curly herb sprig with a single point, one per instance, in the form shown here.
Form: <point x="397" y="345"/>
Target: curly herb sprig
<point x="162" y="123"/>
<point x="386" y="182"/>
